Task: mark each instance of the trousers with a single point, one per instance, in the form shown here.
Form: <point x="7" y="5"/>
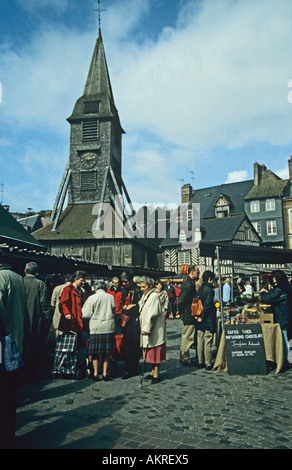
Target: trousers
<point x="204" y="347"/>
<point x="187" y="340"/>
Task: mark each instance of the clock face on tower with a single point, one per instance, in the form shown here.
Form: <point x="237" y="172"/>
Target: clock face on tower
<point x="88" y="160"/>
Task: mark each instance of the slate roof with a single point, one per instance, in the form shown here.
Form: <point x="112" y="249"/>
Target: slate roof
<point x="235" y="192"/>
<point x="214" y="230"/>
<point x="76" y="223"/>
<point x="12" y="232"/>
<point x="32" y="221"/>
<point x="270" y="185"/>
<point x="222" y="230"/>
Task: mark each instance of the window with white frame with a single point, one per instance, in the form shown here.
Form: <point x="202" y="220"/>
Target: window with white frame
<point x="222" y="211"/>
<point x="271" y="227"/>
<point x="270" y="204"/>
<point x="255" y="206"/>
<point x="184" y="257"/>
<point x="258" y="227"/>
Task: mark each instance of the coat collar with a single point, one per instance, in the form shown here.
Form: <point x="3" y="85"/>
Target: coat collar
<point x="5" y="266"/>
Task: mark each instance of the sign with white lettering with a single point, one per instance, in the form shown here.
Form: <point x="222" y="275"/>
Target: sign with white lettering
<point x="245" y="350"/>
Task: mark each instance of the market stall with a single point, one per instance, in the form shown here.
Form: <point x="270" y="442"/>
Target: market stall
<point x="251" y="342"/>
<point x="245" y="345"/>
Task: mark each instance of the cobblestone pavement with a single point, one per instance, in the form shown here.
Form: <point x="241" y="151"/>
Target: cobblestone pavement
<point x="190" y="408"/>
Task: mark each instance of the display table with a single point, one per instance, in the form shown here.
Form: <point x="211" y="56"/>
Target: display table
<point x="273" y="342"/>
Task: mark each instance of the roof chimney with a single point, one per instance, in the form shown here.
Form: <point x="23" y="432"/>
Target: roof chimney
<point x="186" y="193"/>
<point x="290" y="168"/>
<point x="258" y="172"/>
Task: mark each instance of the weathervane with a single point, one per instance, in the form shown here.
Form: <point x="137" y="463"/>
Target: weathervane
<point x="99" y="10"/>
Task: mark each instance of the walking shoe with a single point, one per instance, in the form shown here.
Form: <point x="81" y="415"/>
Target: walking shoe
<point x="148" y="377"/>
<point x="106" y="378"/>
<point x="189" y="363"/>
<point x="95" y="378"/>
<point x="155" y="380"/>
<point x="209" y="367"/>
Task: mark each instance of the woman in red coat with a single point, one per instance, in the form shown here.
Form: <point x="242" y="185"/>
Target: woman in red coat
<point x="71" y="303"/>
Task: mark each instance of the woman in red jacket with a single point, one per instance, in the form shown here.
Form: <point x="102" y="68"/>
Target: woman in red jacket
<point x="71" y="303"/>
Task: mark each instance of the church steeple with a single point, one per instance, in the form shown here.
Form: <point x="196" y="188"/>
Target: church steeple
<point x="97" y="88"/>
<point x="98" y="80"/>
<point x="96" y="135"/>
<point x="94" y="170"/>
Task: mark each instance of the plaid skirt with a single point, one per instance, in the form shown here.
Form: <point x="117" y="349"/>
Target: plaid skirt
<point x="101" y="344"/>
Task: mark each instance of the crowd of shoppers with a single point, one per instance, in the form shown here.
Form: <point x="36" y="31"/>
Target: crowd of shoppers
<point x="122" y="320"/>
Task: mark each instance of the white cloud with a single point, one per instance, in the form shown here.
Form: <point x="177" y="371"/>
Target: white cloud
<point x="282" y="173"/>
<point x="235" y="176"/>
<point x="218" y="79"/>
<point x="37" y="183"/>
<point x="41" y="81"/>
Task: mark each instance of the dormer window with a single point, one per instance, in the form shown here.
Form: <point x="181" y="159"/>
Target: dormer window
<point x="222" y="212"/>
<point x="222" y="208"/>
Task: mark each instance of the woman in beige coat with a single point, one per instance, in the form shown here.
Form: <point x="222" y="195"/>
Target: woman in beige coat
<point x="153" y="331"/>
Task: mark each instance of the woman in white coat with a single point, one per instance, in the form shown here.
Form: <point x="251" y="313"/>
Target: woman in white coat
<point x="100" y="310"/>
<point x="153" y="330"/>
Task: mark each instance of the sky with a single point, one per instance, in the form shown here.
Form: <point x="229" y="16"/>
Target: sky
<point x="203" y="89"/>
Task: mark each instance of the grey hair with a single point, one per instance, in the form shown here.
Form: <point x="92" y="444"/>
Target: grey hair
<point x="100" y="284"/>
<point x="31" y="267"/>
<point x="137" y="279"/>
<point x="148" y="281"/>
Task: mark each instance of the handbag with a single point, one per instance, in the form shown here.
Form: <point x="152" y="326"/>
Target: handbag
<point x="124" y="320"/>
<point x="10" y="357"/>
<point x="197" y="307"/>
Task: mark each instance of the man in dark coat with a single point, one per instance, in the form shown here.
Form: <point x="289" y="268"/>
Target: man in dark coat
<point x="39" y="315"/>
<point x="187" y="293"/>
<point x="206" y="323"/>
<point x="12" y="312"/>
<point x="280" y="299"/>
<point x="131" y="296"/>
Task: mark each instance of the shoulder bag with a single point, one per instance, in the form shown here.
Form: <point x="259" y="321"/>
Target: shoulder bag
<point x="10" y="357"/>
<point x="197" y="307"/>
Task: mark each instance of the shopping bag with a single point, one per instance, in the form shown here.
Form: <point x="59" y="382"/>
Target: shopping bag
<point x="10" y="357"/>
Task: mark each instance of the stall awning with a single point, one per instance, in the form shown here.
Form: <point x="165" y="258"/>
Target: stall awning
<point x="246" y="253"/>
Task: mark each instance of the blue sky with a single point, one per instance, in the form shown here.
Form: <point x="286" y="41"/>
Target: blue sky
<point x="201" y="87"/>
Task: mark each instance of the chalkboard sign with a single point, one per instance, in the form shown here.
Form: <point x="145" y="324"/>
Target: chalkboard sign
<point x="245" y="349"/>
